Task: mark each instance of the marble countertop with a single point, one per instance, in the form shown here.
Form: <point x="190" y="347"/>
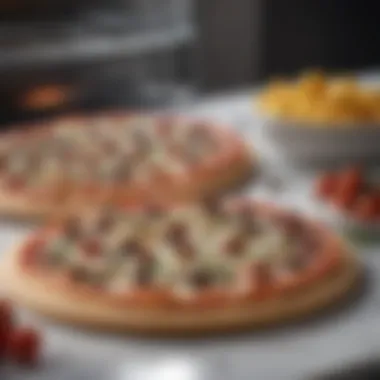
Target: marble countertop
<point x="295" y="352"/>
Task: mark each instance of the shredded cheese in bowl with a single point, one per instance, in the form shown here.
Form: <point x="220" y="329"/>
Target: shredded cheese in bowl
<point x="316" y="99"/>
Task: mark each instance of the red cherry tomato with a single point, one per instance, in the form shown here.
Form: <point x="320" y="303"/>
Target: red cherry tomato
<point x="6" y="314"/>
<point x="348" y="188"/>
<point x="344" y="199"/>
<point x="4" y="339"/>
<point x="352" y="178"/>
<point x="24" y="346"/>
<point x="365" y="208"/>
<point x="6" y="325"/>
<point x="326" y="185"/>
<point x="377" y="203"/>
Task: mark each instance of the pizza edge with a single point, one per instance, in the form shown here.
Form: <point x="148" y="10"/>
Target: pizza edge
<point x="67" y="307"/>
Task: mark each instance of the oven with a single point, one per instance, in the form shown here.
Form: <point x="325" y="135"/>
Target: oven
<point x="89" y="56"/>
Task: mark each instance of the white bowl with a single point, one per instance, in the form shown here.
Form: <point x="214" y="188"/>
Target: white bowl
<point x="322" y="145"/>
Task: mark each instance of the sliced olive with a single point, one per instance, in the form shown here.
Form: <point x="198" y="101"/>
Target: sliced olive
<point x="73" y="229"/>
<point x="247" y="221"/>
<point x="186" y="250"/>
<point x="213" y="206"/>
<point x="78" y="274"/>
<point x="201" y="278"/>
<point x="292" y="224"/>
<point x="145" y="272"/>
<point x="105" y="221"/>
<point x="91" y="248"/>
<point x="176" y="233"/>
<point x="235" y="246"/>
<point x="261" y="273"/>
<point x="133" y="247"/>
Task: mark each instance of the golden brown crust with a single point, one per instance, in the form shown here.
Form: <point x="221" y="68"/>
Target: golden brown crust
<point x="95" y="313"/>
<point x="23" y="208"/>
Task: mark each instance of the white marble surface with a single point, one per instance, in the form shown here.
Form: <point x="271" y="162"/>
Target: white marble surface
<point x="286" y="353"/>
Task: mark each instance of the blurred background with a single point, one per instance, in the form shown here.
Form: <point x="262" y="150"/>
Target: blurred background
<point x="71" y="55"/>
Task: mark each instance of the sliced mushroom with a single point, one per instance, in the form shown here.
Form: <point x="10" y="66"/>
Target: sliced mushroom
<point x="292" y="224"/>
<point x="92" y="248"/>
<point x="77" y="273"/>
<point x="73" y="229"/>
<point x="185" y="249"/>
<point x="176" y="233"/>
<point x="201" y="278"/>
<point x="235" y="246"/>
<point x="145" y="271"/>
<point x="261" y="274"/>
<point x="133" y="247"/>
<point x="213" y="206"/>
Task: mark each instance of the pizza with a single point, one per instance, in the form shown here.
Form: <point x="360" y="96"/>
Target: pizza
<point x="69" y="164"/>
<point x="218" y="265"/>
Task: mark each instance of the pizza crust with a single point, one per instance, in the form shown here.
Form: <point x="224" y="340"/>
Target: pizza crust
<point x="67" y="307"/>
<point x="21" y="208"/>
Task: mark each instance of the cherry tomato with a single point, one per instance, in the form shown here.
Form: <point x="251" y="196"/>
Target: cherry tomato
<point x="377" y="203"/>
<point x="6" y="325"/>
<point x="6" y="314"/>
<point x="352" y="178"/>
<point x="348" y="188"/>
<point x="4" y="338"/>
<point x="24" y="346"/>
<point x="326" y="185"/>
<point x="365" y="208"/>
